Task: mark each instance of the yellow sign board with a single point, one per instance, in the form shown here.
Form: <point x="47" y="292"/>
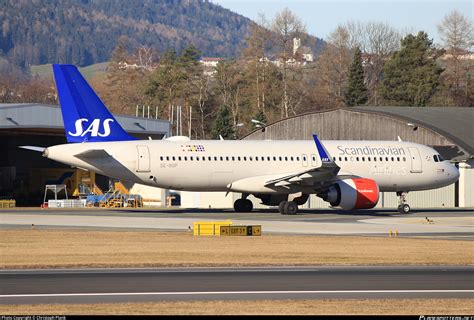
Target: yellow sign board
<point x="241" y="230"/>
<point x="209" y="228"/>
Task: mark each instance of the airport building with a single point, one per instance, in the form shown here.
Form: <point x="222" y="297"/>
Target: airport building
<point x="449" y="130"/>
<point x="24" y="173"/>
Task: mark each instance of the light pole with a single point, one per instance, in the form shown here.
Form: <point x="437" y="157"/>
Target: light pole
<point x="259" y="124"/>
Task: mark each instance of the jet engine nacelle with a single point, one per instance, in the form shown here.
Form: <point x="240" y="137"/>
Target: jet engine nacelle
<point x="355" y="193"/>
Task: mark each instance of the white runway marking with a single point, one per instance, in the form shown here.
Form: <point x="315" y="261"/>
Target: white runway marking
<point x="225" y="293"/>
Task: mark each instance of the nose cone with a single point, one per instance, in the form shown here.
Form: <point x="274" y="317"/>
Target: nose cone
<point x="452" y="173"/>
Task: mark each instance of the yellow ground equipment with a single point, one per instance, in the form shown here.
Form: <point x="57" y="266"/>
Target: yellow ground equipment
<point x="7" y="204"/>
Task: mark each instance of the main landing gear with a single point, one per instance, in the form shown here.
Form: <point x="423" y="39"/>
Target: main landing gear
<point x="243" y="204"/>
<point x="403" y="206"/>
<point x="288" y="207"/>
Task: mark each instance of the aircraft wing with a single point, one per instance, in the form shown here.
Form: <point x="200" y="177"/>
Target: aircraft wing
<point x="307" y="177"/>
<point x="326" y="172"/>
<point x="318" y="177"/>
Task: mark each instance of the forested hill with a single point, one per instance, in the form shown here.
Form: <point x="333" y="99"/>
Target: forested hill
<point x="83" y="32"/>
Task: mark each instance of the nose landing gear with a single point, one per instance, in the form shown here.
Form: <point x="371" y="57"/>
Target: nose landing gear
<point x="243" y="204"/>
<point x="403" y="206"/>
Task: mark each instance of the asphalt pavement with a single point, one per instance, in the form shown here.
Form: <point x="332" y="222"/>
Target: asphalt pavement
<point x="138" y="285"/>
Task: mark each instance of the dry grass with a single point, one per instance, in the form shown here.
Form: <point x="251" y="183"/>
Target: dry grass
<point x="41" y="248"/>
<point x="263" y="307"/>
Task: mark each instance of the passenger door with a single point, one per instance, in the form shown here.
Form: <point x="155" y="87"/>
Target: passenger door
<point x="143" y="159"/>
<point x="416" y="164"/>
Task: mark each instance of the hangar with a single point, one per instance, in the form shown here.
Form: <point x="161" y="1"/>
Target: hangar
<point x="24" y="174"/>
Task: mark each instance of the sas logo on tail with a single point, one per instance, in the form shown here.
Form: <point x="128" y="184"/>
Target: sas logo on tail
<point x="93" y="128"/>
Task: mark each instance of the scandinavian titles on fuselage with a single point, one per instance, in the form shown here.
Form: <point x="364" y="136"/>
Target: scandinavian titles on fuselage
<point x="388" y="170"/>
<point x="371" y="151"/>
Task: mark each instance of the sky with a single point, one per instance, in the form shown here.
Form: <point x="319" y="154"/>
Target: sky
<point x="322" y="16"/>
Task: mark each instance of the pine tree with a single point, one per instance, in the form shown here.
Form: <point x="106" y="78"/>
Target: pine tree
<point x="223" y="125"/>
<point x="356" y="92"/>
<point x="411" y="76"/>
<point x="259" y="116"/>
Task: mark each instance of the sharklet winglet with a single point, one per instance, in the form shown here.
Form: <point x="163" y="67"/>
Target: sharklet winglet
<point x="323" y="153"/>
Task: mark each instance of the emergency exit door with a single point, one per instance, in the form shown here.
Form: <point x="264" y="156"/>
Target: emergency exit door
<point x="143" y="159"/>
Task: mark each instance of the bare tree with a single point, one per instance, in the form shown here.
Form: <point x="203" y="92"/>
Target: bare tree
<point x="376" y="40"/>
<point x="381" y="41"/>
<point x="258" y="44"/>
<point x="286" y="27"/>
<point x="456" y="32"/>
<point x="145" y="57"/>
<point x="202" y="84"/>
<point x="333" y="66"/>
<point x="229" y="83"/>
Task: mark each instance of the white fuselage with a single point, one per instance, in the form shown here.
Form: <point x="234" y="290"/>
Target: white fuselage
<point x="213" y="165"/>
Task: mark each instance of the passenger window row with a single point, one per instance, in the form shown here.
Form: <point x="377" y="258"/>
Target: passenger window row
<point x="230" y="158"/>
<point x="281" y="158"/>
<point x="370" y="159"/>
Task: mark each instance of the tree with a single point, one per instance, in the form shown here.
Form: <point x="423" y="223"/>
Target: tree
<point x="286" y="27"/>
<point x="411" y="76"/>
<point x="356" y="93"/>
<point x="229" y="84"/>
<point x="260" y="117"/>
<point x="378" y="41"/>
<point x="223" y="125"/>
<point x="333" y="66"/>
<point x="456" y="32"/>
<point x="258" y="44"/>
<point x="120" y="86"/>
<point x="164" y="86"/>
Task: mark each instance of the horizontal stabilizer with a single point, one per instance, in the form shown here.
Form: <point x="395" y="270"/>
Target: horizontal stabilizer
<point x="33" y="148"/>
<point x="93" y="154"/>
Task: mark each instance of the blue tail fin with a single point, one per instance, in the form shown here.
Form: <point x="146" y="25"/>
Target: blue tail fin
<point x="85" y="116"/>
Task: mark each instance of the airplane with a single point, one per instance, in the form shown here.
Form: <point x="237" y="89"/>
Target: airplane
<point x="349" y="175"/>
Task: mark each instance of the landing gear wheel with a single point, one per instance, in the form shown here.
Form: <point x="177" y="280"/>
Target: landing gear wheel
<point x="248" y="205"/>
<point x="404" y="208"/>
<point x="281" y="206"/>
<point x="291" y="208"/>
<point x="239" y="205"/>
<point x="243" y="205"/>
<point x="288" y="207"/>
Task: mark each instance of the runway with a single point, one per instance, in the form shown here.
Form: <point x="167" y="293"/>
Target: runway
<point x="139" y="285"/>
<point x="446" y="224"/>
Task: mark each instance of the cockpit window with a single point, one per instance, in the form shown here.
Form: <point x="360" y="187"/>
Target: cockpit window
<point x="435" y="157"/>
<point x="440" y="158"/>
